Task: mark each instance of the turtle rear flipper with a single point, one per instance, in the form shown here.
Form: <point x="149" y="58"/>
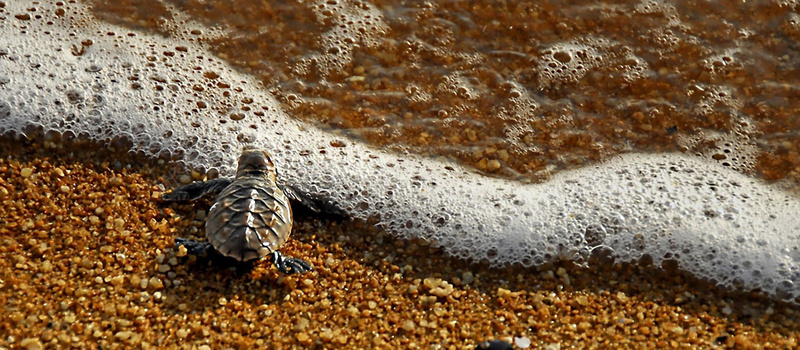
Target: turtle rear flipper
<point x="196" y="190"/>
<point x="289" y="265"/>
<point x="193" y="247"/>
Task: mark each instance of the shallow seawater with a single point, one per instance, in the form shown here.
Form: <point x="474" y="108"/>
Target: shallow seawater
<point x="643" y="130"/>
<point x="517" y="89"/>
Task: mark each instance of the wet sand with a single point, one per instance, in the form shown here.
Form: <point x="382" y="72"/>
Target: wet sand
<point x="87" y="261"/>
<point x="516" y="89"/>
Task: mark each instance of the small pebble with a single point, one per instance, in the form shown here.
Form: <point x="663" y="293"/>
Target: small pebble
<point x="181" y="251"/>
<point x="493" y="165"/>
<point x="302" y="337"/>
<point x="26" y="172"/>
<point x="522" y="342"/>
<point x="155" y="283"/>
<point x="182" y="333"/>
<point x="31" y="344"/>
<point x="301" y="324"/>
<point x="115" y="181"/>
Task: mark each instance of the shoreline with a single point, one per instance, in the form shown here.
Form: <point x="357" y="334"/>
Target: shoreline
<point x="87" y="261"/>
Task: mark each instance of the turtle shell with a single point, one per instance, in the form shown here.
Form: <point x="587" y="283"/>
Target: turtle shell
<point x="250" y="219"/>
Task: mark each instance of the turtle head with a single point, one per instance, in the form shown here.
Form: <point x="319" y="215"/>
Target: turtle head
<point x="256" y="162"/>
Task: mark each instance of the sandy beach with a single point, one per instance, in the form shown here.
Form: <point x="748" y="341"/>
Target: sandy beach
<point x="517" y="90"/>
<point x="88" y="262"/>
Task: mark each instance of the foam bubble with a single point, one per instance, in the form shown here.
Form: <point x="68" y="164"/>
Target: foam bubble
<point x="735" y="148"/>
<point x="722" y="63"/>
<point x="716" y="223"/>
<point x="659" y="7"/>
<point x="459" y="85"/>
<point x="568" y="62"/>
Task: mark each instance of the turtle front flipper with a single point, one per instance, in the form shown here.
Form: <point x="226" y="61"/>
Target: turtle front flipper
<point x="289" y="265"/>
<point x="317" y="206"/>
<point x="193" y="247"/>
<point x="196" y="190"/>
<point x="303" y="199"/>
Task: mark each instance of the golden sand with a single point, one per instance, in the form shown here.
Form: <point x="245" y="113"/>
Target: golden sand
<point x="87" y="261"/>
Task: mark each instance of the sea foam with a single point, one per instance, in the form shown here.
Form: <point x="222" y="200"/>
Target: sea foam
<point x="75" y="76"/>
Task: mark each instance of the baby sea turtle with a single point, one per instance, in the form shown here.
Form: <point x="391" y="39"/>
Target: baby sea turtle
<point x="251" y="217"/>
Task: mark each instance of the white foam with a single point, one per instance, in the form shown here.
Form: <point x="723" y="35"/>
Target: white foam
<point x="717" y="223"/>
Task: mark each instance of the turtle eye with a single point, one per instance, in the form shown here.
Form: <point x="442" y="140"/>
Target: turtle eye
<point x="267" y="156"/>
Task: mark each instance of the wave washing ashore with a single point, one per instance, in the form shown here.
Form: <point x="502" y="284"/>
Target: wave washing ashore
<point x="717" y="224"/>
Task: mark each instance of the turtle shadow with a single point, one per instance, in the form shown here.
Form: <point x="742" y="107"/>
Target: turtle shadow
<point x="209" y="281"/>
